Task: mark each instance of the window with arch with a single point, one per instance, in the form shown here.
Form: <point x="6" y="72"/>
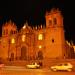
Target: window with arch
<point x="23" y="38"/>
<point x="40" y="36"/>
<point x="14" y="32"/>
<point x="50" y="22"/>
<point x="54" y="21"/>
<point x="12" y="40"/>
<point x="11" y="32"/>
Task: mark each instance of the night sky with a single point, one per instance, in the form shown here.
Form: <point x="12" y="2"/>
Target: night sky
<point x="34" y="10"/>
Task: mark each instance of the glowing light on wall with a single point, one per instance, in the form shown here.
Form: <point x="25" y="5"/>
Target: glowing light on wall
<point x="40" y="37"/>
<point x="23" y="38"/>
<point x="12" y="40"/>
<point x="40" y="47"/>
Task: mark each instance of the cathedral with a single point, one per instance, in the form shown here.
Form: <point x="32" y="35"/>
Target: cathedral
<point x="30" y="43"/>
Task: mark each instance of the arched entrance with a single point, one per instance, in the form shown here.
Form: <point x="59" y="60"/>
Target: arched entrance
<point x="23" y="53"/>
<point x="12" y="57"/>
<point x="40" y="55"/>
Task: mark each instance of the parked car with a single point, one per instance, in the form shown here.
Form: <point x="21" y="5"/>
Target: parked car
<point x="33" y="66"/>
<point x="62" y="67"/>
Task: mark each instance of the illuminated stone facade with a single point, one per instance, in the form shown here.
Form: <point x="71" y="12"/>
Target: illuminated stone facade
<point x="34" y="42"/>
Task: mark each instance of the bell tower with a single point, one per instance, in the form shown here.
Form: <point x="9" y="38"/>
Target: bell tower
<point x="55" y="39"/>
<point x="9" y="34"/>
<point x="54" y="18"/>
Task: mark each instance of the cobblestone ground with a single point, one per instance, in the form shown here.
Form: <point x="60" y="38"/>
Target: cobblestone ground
<point x="39" y="72"/>
<point x="44" y="71"/>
